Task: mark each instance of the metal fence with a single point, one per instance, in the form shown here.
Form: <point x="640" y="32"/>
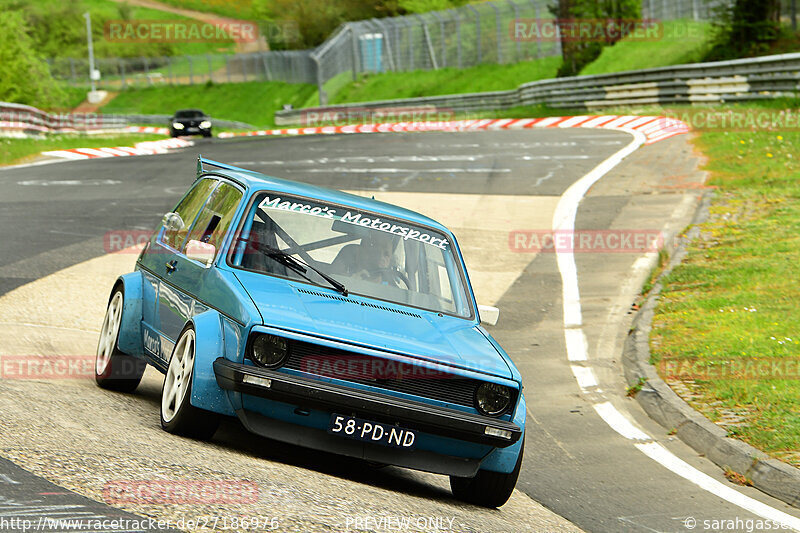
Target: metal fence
<point x="703" y="9"/>
<point x="682" y="9"/>
<point x="471" y="35"/>
<point x="463" y="37"/>
<point x="293" y="66"/>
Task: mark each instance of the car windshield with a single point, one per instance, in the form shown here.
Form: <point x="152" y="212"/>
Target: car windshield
<point x="189" y="113"/>
<point x="371" y="255"/>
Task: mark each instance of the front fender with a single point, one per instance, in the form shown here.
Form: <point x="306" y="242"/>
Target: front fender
<point x="504" y="460"/>
<point x="130" y="329"/>
<point x="209" y="345"/>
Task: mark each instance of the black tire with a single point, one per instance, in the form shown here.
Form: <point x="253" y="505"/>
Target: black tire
<point x="178" y="415"/>
<point x="207" y="135"/>
<point x="113" y="369"/>
<point x="487" y="489"/>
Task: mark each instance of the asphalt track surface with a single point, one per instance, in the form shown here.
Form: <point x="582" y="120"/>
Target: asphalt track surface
<point x="55" y="216"/>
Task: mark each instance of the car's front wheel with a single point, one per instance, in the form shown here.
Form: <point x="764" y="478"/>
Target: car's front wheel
<point x="178" y="415"/>
<point x="113" y="369"/>
<point x="488" y="489"/>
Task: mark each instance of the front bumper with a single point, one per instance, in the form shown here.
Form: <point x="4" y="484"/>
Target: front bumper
<point x="314" y="394"/>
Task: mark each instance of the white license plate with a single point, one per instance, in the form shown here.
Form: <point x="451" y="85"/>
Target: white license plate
<point x="374" y="432"/>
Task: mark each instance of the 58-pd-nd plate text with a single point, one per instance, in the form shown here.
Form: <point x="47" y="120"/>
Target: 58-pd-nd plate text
<point x="369" y="431"/>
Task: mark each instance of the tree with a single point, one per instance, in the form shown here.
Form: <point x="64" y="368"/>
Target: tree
<point x="315" y="20"/>
<point x="24" y="75"/>
<point x="576" y="50"/>
<point x="745" y="28"/>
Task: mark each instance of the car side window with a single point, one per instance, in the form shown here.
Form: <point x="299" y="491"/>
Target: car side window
<point x="216" y="216"/>
<point x="187" y="209"/>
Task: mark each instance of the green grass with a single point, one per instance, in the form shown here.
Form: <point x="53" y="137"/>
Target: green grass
<point x="331" y="87"/>
<point x="735" y="296"/>
<point x="174" y="68"/>
<point x="73" y="96"/>
<point x="14" y="151"/>
<point x="682" y="41"/>
<point x="108" y="10"/>
<point x="252" y="102"/>
<point x="391" y="85"/>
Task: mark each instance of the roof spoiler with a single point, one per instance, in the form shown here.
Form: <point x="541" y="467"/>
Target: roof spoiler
<point x="209" y="162"/>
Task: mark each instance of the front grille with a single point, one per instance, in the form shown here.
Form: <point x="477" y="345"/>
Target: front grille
<point x="435" y="385"/>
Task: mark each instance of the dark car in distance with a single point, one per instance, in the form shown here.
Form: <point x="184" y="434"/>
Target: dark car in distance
<point x="190" y="122"/>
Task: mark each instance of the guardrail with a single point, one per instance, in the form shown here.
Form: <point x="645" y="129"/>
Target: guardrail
<point x="722" y="81"/>
<point x="22" y="120"/>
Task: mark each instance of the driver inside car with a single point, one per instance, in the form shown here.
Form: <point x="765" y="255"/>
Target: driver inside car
<point x="371" y="260"/>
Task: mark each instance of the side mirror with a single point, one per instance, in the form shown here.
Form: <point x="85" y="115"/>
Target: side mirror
<point x="488" y="315"/>
<point x="172" y="222"/>
<point x="201" y="251"/>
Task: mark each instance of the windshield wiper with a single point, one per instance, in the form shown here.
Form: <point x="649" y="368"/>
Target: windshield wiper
<point x="298" y="265"/>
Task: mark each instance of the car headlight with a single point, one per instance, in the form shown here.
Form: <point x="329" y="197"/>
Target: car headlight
<point x="177" y="125"/>
<point x="269" y="351"/>
<point x="492" y="399"/>
<point x="205" y="124"/>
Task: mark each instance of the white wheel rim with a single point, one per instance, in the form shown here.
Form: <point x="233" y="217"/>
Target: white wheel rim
<point x="108" y="334"/>
<point x="179" y="376"/>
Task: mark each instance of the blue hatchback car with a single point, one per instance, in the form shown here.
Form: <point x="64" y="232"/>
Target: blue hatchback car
<point x="322" y="319"/>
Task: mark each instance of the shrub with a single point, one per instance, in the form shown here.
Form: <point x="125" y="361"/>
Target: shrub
<point x="24" y="75"/>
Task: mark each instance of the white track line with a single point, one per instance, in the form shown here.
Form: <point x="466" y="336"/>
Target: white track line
<point x="664" y="457"/>
<point x="619" y="423"/>
<point x="576" y="344"/>
<point x="577" y="349"/>
<point x="585" y="378"/>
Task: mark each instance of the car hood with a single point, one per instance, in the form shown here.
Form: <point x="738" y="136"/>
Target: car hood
<point x="372" y="323"/>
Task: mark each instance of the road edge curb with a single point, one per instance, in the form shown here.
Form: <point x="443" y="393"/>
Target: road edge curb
<point x="663" y="405"/>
